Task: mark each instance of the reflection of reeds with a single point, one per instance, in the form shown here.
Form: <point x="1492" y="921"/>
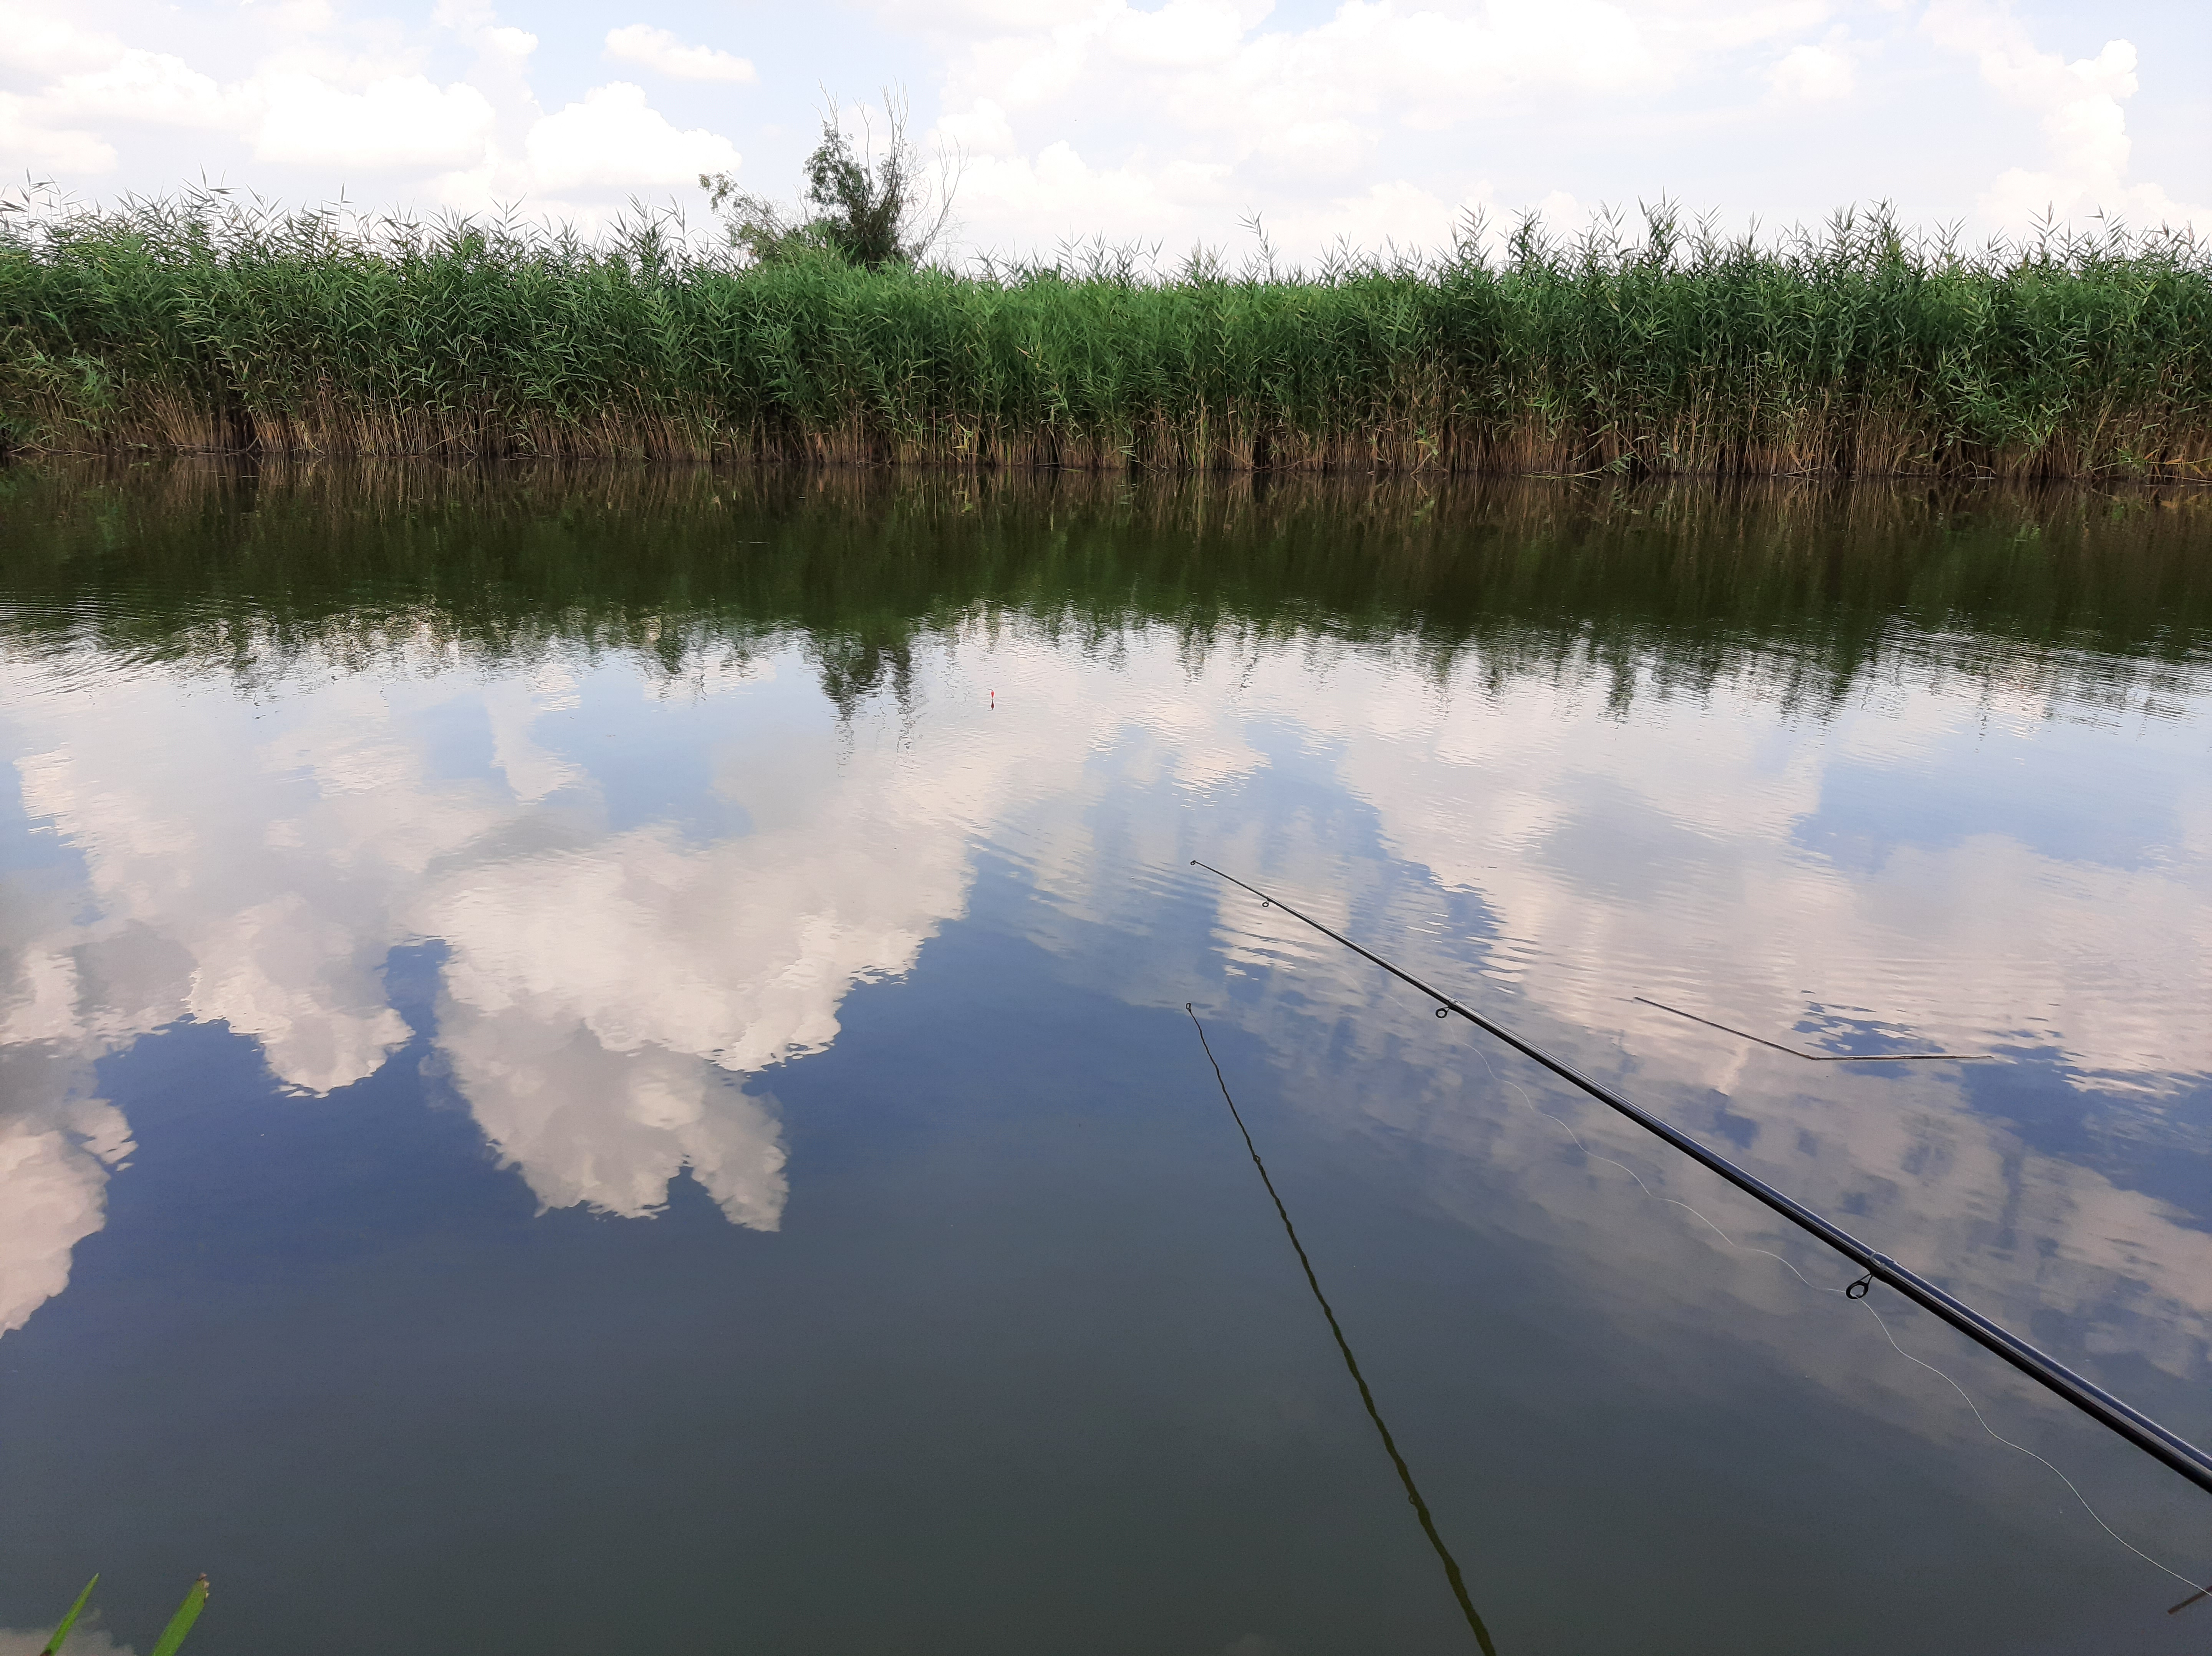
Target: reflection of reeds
<point x="1812" y="588"/>
<point x="172" y="1635"/>
<point x="197" y="325"/>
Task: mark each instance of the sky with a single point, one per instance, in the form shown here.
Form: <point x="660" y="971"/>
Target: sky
<point x="1163" y="125"/>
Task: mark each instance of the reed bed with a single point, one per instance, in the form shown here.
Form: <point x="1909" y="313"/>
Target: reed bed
<point x="198" y="324"/>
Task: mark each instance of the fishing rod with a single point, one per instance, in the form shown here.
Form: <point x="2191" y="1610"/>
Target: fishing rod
<point x="2093" y="1400"/>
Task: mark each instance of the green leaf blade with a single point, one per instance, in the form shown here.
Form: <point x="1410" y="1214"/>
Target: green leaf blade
<point x="68" y="1620"/>
<point x="181" y="1622"/>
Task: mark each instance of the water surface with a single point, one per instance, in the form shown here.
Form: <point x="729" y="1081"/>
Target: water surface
<point x="598" y="1060"/>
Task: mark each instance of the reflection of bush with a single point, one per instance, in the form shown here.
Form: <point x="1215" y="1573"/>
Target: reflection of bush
<point x="1812" y="587"/>
<point x="200" y="323"/>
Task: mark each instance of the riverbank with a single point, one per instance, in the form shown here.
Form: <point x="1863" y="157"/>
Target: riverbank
<point x="195" y="326"/>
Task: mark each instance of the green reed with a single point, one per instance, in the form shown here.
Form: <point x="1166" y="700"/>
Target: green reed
<point x="172" y="1637"/>
<point x="199" y="324"/>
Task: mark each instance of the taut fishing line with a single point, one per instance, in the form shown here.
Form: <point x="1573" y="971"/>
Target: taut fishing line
<point x="2139" y="1429"/>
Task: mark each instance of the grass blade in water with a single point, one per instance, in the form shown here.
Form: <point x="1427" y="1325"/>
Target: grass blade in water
<point x="69" y="1620"/>
<point x="181" y="1622"/>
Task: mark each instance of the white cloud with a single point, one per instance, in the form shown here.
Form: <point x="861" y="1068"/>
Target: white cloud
<point x="1561" y="213"/>
<point x="658" y="50"/>
<point x="1221" y="114"/>
<point x="614" y="140"/>
<point x="25" y="133"/>
<point x="1057" y="193"/>
<point x="1812" y="74"/>
<point x="982" y="129"/>
<point x="2081" y="108"/>
<point x="1159" y="123"/>
<point x="41" y="39"/>
<point x="1398" y="213"/>
<point x="359" y="118"/>
<point x="146" y="86"/>
<point x="84" y="1641"/>
<point x="403" y="121"/>
<point x="1181" y="35"/>
<point x="1205" y="66"/>
<point x="1317" y="124"/>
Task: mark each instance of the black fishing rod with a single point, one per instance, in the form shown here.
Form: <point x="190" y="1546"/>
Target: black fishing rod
<point x="2093" y="1400"/>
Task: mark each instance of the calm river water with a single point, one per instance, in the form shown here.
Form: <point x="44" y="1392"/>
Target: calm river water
<point x="597" y="1061"/>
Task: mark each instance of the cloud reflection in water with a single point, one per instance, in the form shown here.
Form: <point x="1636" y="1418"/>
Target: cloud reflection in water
<point x="610" y="993"/>
<point x="607" y="995"/>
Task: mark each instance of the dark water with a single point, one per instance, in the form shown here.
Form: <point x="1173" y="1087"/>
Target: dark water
<point x="597" y="1061"/>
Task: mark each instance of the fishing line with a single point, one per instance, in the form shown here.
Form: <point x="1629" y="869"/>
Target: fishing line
<point x="1821" y="1058"/>
<point x="2032" y="1455"/>
<point x="1405" y="1472"/>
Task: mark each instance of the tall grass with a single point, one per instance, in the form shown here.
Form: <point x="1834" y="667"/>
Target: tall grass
<point x="198" y="324"/>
